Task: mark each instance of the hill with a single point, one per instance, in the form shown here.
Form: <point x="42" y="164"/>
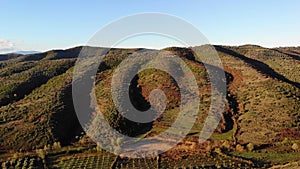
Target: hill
<point x="260" y="125"/>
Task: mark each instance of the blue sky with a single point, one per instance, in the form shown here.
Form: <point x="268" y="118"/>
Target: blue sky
<point x="43" y="25"/>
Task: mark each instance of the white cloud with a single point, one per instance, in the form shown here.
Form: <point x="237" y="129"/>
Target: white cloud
<point x="7" y="46"/>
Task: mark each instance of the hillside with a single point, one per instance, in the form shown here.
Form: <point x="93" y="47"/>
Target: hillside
<point x="260" y="125"/>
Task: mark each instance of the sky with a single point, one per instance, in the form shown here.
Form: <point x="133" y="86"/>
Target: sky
<point x="56" y="24"/>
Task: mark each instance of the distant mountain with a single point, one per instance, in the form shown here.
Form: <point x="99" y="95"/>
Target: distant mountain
<point x="27" y="52"/>
<point x="13" y="55"/>
<point x="9" y="56"/>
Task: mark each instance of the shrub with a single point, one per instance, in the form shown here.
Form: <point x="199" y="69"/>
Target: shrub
<point x="119" y="141"/>
<point x="56" y="145"/>
<point x="239" y="148"/>
<point x="226" y="145"/>
<point x="99" y="147"/>
<point x="47" y="147"/>
<point x="208" y="149"/>
<point x="41" y="153"/>
<point x="250" y="147"/>
<point x="285" y="141"/>
<point x="295" y="146"/>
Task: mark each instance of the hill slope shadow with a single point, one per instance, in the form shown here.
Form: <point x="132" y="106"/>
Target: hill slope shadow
<point x="289" y="54"/>
<point x="258" y="65"/>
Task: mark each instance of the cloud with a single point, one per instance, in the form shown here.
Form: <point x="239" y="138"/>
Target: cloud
<point x="7" y="46"/>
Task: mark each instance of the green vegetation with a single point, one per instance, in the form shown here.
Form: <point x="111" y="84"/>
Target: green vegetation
<point x="274" y="158"/>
